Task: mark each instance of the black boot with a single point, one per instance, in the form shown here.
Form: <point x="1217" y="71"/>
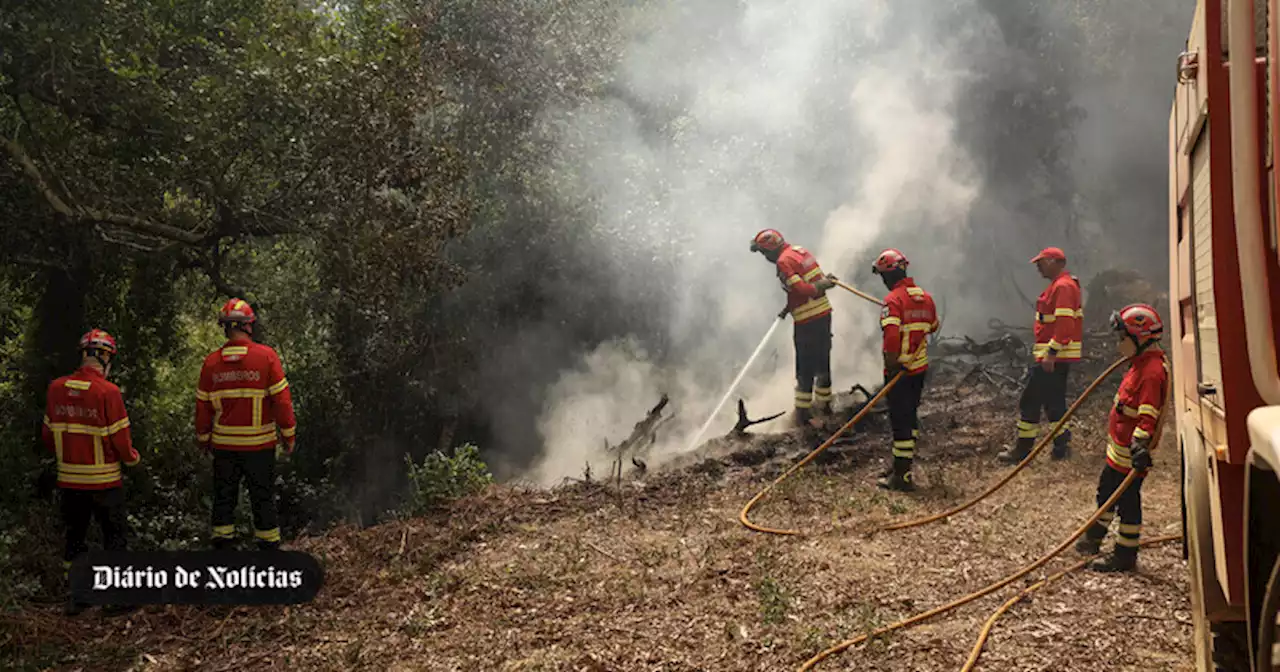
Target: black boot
<point x="1018" y="452"/>
<point x="268" y="545"/>
<point x="803" y="415"/>
<point x="1123" y="559"/>
<point x="1091" y="542"/>
<point x="223" y="544"/>
<point x="900" y="479"/>
<point x="1062" y="445"/>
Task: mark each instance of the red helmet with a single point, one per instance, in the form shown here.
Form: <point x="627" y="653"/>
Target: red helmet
<point x="768" y="240"/>
<point x="97" y="339"/>
<point x="1140" y="321"/>
<point x="890" y="260"/>
<point x="237" y="312"/>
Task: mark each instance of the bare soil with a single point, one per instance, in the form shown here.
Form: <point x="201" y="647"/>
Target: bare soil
<point x="659" y="575"/>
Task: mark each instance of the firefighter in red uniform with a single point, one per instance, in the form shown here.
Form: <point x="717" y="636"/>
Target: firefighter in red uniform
<point x="87" y="428"/>
<point x="806" y="286"/>
<point x="1058" y="332"/>
<point x="1133" y="420"/>
<point x="907" y="319"/>
<point x="242" y="402"/>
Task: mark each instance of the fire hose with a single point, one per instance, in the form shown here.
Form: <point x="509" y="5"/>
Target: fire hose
<point x="1026" y="461"/>
<point x="959" y="602"/>
<point x="746" y="510"/>
<point x="995" y="616"/>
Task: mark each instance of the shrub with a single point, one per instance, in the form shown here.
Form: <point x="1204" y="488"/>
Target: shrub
<point x="442" y="478"/>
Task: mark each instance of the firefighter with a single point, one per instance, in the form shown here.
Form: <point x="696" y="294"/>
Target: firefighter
<point x="1058" y="332"/>
<point x="806" y="286"/>
<point x="87" y="428"/>
<point x="1133" y="420"/>
<point x="907" y="319"/>
<point x="242" y="404"/>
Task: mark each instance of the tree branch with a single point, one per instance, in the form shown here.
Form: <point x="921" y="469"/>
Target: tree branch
<point x="91" y="215"/>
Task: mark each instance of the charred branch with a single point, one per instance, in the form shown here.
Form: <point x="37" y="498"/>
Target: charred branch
<point x="744" y="422"/>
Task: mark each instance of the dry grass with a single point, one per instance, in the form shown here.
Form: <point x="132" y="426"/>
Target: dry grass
<point x="662" y="577"/>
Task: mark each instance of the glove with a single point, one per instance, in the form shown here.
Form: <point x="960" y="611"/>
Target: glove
<point x="1140" y="454"/>
<point x="827" y="282"/>
<point x="891" y="364"/>
<point x="783" y="313"/>
<point x="203" y="446"/>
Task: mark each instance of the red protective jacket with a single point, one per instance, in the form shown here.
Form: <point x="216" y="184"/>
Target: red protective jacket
<point x="1059" y="319"/>
<point x="86" y="426"/>
<point x="243" y="399"/>
<point x="798" y="270"/>
<point x="908" y="317"/>
<point x="1137" y="406"/>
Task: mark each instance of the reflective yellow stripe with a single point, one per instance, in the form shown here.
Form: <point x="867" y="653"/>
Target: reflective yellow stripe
<point x="89" y="469"/>
<point x="244" y="431"/>
<point x="88" y="479"/>
<point x="1148" y="409"/>
<point x="1064" y="312"/>
<point x="98" y="457"/>
<point x="905" y="448"/>
<point x="1045" y="319"/>
<point x="1062" y="431"/>
<point x="915" y="291"/>
<point x="1128" y="542"/>
<point x="1118" y="454"/>
<point x="1140" y="433"/>
<point x="201" y="395"/>
<point x="918" y="326"/>
<point x="1027" y="430"/>
<point x="904" y="443"/>
<point x="75" y="428"/>
<point x="272" y="534"/>
<point x="237" y="393"/>
<point x="289" y="432"/>
<point x="236" y="350"/>
<point x="47" y="422"/>
<point x="1126" y="528"/>
<point x="224" y="531"/>
<point x="811" y="308"/>
<point x="278" y="387"/>
<point x="112" y="429"/>
<point x="813" y="273"/>
<point x="79" y="384"/>
<point x="228" y="440"/>
<point x="890" y="320"/>
<point x="203" y="438"/>
<point x="793" y="280"/>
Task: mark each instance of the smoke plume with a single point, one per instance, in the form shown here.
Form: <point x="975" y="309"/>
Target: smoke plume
<point x="947" y="130"/>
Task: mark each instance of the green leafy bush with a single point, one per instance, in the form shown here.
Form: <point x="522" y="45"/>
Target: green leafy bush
<point x="441" y="478"/>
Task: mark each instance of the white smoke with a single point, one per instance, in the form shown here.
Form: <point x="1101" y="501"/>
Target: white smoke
<point x="757" y="83"/>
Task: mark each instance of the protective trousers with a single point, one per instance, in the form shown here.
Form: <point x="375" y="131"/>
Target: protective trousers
<point x="813" y="364"/>
<point x="258" y="469"/>
<point x="1129" y="506"/>
<point x="81" y="507"/>
<point x="1047" y="391"/>
<point x="904" y="416"/>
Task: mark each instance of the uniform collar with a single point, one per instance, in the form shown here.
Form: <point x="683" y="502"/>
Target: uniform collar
<point x="1064" y="274"/>
<point x="238" y="340"/>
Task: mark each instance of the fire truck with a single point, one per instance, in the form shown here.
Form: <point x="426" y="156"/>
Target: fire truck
<point x="1224" y="284"/>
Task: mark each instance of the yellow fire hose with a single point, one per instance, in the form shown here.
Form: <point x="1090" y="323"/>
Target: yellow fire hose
<point x="995" y="616"/>
<point x="746" y="510"/>
<point x="1044" y="441"/>
<point x="858" y="292"/>
<point x="919" y="618"/>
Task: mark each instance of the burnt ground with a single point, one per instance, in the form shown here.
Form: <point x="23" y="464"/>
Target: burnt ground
<point x="659" y="575"/>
